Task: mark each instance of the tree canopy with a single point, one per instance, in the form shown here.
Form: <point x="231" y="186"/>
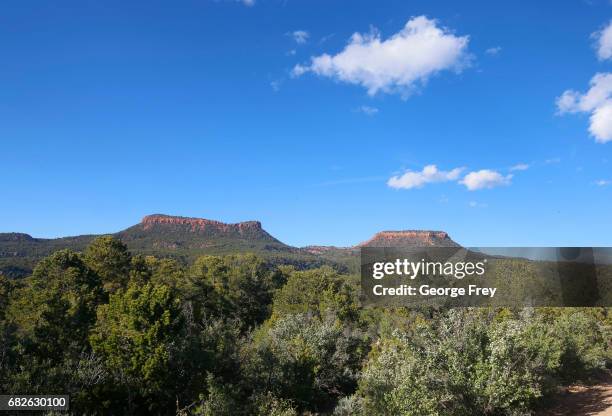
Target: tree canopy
<point x="236" y="335"/>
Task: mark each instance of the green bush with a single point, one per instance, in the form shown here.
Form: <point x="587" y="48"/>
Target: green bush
<point x="465" y="363"/>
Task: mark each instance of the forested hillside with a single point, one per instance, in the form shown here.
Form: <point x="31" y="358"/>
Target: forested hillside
<point x="235" y="334"/>
<point x="185" y="239"/>
<point x="180" y="238"/>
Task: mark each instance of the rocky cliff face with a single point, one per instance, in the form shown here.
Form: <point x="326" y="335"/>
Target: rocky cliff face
<point x="201" y="225"/>
<point x="409" y="238"/>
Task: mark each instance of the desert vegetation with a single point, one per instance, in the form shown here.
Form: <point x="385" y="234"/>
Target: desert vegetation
<point x="129" y="334"/>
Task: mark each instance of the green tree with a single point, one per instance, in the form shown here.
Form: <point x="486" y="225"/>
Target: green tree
<point x="165" y="272"/>
<point x="465" y="362"/>
<point x="140" y="270"/>
<point x="111" y="260"/>
<point x="56" y="308"/>
<point x="6" y="286"/>
<point x="303" y="359"/>
<point x="240" y="286"/>
<point x="137" y="334"/>
<point x="48" y="321"/>
<point x="316" y="291"/>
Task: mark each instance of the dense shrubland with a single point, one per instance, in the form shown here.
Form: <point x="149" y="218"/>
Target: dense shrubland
<point x="233" y="335"/>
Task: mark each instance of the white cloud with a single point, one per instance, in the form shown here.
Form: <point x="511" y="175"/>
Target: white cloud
<point x="367" y="110"/>
<point x="520" y="166"/>
<point x="493" y="51"/>
<point x="600" y="92"/>
<point x="300" y="36"/>
<point x="485" y="179"/>
<point x="597" y="101"/>
<point x="604" y="42"/>
<point x="474" y="204"/>
<point x="396" y="64"/>
<point x="276" y="84"/>
<point x="429" y="174"/>
<point x="299" y="70"/>
<point x="248" y="3"/>
<point x="602" y="182"/>
<point x="601" y="123"/>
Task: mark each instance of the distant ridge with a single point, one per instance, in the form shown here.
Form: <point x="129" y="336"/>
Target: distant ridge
<point x="246" y="229"/>
<point x="15" y="237"/>
<point x="410" y="238"/>
<point x="196" y="223"/>
<point x="186" y="238"/>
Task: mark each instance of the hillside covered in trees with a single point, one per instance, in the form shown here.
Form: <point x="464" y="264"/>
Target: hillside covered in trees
<point x="236" y="334"/>
<point x="185" y="239"/>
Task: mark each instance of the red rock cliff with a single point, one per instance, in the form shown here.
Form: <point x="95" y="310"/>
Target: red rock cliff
<point x="409" y="238"/>
<point x="200" y="224"/>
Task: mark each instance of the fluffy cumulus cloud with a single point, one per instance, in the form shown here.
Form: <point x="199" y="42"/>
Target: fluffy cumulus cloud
<point x="485" y="179"/>
<point x="396" y="64"/>
<point x="604" y="42"/>
<point x="597" y="101"/>
<point x="429" y="174"/>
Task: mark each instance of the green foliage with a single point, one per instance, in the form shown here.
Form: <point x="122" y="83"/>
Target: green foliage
<point x="269" y="405"/>
<point x="303" y="358"/>
<point x="47" y="323"/>
<point x="465" y="363"/>
<point x="585" y="343"/>
<point x="6" y="286"/>
<point x="111" y="260"/>
<point x="140" y="270"/>
<point x="236" y="286"/>
<point x="349" y="406"/>
<point x="235" y="335"/>
<point x="137" y="333"/>
<point x="219" y="401"/>
<point x="316" y="291"/>
<point x="56" y="308"/>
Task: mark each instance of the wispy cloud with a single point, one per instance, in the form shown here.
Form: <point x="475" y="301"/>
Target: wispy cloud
<point x="276" y="84"/>
<point x="493" y="51"/>
<point x="300" y="36"/>
<point x="396" y="64"/>
<point x="326" y="38"/>
<point x="603" y="182"/>
<point x="519" y="166"/>
<point x="429" y="174"/>
<point x="552" y="160"/>
<point x="474" y="204"/>
<point x="367" y="110"/>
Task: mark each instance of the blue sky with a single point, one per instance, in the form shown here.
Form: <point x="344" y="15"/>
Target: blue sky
<point x="111" y="110"/>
